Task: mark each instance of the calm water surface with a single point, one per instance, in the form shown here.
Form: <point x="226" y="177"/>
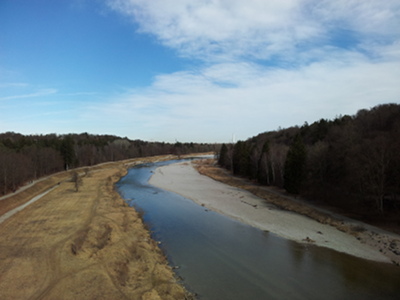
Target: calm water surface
<point x="220" y="258"/>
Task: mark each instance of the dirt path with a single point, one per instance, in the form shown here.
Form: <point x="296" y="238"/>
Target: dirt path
<point x="83" y="245"/>
<point x="21" y="207"/>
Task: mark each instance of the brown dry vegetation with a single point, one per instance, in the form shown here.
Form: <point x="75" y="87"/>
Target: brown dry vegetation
<point x="81" y="245"/>
<point x="38" y="188"/>
<point x="386" y="244"/>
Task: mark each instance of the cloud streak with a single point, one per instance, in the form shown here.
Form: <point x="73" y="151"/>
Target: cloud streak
<point x="34" y="94"/>
<point x="209" y="100"/>
<point x="221" y="29"/>
<point x="264" y="64"/>
<point x="227" y="29"/>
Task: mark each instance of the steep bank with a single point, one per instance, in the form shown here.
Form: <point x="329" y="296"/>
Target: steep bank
<point x="87" y="244"/>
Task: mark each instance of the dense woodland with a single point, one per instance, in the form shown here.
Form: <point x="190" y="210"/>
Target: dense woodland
<point x="26" y="158"/>
<point x="351" y="162"/>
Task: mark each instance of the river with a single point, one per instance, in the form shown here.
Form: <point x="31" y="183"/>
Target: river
<point x="220" y="258"/>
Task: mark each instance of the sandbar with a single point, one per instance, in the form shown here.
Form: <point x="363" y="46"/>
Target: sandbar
<point x="241" y="205"/>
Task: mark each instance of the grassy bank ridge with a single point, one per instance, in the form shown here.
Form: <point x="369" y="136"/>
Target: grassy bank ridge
<point x="88" y="244"/>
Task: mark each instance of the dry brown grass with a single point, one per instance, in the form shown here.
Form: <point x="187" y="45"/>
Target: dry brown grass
<point x="82" y="245"/>
<point x="24" y="196"/>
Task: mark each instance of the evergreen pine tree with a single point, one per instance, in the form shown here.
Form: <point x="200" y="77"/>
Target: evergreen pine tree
<point x="241" y="159"/>
<point x="67" y="151"/>
<point x="263" y="171"/>
<point x="223" y="155"/>
<point x="295" y="166"/>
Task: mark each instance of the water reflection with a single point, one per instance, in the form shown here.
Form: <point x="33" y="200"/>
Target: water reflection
<point x="220" y="258"/>
<point x="354" y="275"/>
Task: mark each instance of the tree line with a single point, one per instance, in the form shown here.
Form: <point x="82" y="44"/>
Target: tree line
<point x="24" y="158"/>
<point x="351" y="162"/>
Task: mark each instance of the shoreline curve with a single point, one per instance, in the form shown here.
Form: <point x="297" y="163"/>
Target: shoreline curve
<point x="241" y="205"/>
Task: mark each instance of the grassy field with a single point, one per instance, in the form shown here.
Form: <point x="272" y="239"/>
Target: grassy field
<point x="81" y="245"/>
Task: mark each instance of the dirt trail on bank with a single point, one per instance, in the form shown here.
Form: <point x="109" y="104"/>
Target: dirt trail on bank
<point x="81" y="245"/>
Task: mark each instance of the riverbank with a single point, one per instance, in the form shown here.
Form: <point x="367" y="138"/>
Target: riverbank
<point x="88" y="244"/>
<point x="255" y="211"/>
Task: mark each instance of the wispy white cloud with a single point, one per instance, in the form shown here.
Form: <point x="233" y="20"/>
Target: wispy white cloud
<point x="221" y="28"/>
<point x="367" y="17"/>
<point x="33" y="94"/>
<point x="74" y="94"/>
<point x="218" y="100"/>
<point x="265" y="64"/>
<point x="216" y="29"/>
<point x="13" y="85"/>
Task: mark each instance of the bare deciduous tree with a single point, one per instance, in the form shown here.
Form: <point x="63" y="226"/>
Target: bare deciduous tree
<point x="77" y="180"/>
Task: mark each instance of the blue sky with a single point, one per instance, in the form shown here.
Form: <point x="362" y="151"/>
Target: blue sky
<point x="187" y="70"/>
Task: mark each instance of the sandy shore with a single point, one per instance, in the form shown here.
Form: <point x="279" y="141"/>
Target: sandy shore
<point x="241" y="205"/>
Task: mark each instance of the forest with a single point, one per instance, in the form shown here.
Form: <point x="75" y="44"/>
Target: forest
<point x="24" y="158"/>
<point x="351" y="163"/>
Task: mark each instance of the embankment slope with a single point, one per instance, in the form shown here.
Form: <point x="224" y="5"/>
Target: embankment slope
<point x="83" y="245"/>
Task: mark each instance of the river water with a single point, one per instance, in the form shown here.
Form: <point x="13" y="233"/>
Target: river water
<point x="220" y="258"/>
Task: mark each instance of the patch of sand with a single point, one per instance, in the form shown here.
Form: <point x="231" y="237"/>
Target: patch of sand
<point x="241" y="205"/>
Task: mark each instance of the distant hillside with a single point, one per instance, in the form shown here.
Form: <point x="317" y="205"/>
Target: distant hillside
<point x="351" y="162"/>
<point x="27" y="157"/>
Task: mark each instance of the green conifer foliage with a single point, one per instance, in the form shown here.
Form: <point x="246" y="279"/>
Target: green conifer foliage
<point x="295" y="166"/>
<point x="67" y="151"/>
<point x="223" y="156"/>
